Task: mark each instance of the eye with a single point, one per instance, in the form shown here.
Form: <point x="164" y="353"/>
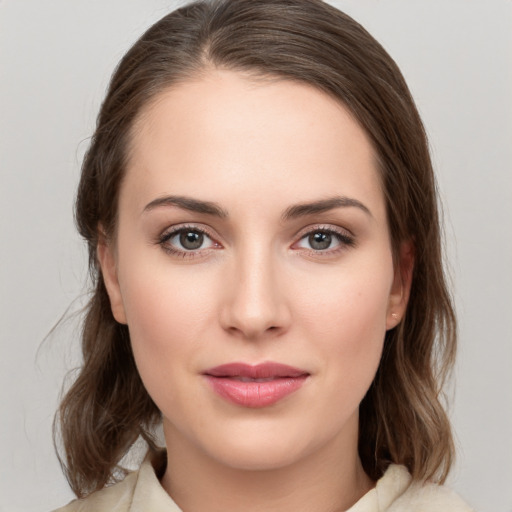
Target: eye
<point x="186" y="240"/>
<point x="325" y="240"/>
<point x="320" y="240"/>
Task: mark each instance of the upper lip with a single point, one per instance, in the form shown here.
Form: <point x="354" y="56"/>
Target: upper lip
<point x="259" y="371"/>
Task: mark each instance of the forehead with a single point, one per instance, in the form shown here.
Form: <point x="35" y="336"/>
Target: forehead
<point x="226" y="133"/>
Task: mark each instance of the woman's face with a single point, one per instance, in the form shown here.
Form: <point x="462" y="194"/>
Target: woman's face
<point x="252" y="233"/>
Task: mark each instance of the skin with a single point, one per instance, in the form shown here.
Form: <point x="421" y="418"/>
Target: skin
<point x="257" y="289"/>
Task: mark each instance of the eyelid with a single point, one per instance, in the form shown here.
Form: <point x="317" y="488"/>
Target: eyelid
<point x="173" y="230"/>
<point x="324" y="227"/>
<point x="344" y="235"/>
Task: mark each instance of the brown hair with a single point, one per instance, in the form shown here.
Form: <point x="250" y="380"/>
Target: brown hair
<point x="401" y="418"/>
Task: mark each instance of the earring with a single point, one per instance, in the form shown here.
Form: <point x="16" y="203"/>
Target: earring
<point x="395" y="316"/>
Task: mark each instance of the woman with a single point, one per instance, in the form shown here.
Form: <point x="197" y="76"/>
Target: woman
<point x="260" y="210"/>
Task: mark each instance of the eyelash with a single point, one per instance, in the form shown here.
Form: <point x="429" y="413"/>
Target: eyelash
<point x="168" y="235"/>
<point x="345" y="240"/>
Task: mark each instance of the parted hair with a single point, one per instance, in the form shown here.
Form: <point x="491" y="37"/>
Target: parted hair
<point x="402" y="418"/>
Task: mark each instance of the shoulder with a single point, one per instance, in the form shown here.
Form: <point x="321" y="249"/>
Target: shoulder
<point x="116" y="498"/>
<point x="138" y="489"/>
<point x="421" y="497"/>
<point x="430" y="498"/>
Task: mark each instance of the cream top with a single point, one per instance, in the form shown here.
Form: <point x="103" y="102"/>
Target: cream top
<point x="141" y="491"/>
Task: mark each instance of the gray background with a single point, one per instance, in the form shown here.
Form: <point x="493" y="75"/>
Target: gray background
<point x="55" y="60"/>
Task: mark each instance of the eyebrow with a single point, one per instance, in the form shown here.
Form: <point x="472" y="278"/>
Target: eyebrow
<point x="292" y="212"/>
<point x="187" y="203"/>
<point x="323" y="205"/>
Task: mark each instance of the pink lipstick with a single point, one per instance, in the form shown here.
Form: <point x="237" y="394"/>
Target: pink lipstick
<point x="255" y="386"/>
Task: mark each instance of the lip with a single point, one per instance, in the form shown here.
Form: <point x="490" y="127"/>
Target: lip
<point x="255" y="386"/>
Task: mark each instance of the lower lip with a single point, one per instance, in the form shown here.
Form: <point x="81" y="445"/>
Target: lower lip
<point x="255" y="394"/>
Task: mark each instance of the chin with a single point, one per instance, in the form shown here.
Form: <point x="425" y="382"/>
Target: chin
<point x="256" y="446"/>
<point x="260" y="456"/>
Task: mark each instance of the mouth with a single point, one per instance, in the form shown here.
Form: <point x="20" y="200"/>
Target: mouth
<point x="255" y="386"/>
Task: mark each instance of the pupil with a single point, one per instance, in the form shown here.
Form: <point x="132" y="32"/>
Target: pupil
<point x="191" y="240"/>
<point x="319" y="240"/>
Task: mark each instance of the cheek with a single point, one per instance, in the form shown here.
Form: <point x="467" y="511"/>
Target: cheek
<point x="161" y="297"/>
<point x="167" y="314"/>
<point x="347" y="322"/>
<point x="157" y="311"/>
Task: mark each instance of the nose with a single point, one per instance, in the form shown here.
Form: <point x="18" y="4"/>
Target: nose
<point x="255" y="303"/>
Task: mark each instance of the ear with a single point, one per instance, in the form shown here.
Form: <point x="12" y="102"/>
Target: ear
<point x="107" y="260"/>
<point x="401" y="288"/>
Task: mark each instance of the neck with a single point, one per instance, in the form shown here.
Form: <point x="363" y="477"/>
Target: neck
<point x="330" y="480"/>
